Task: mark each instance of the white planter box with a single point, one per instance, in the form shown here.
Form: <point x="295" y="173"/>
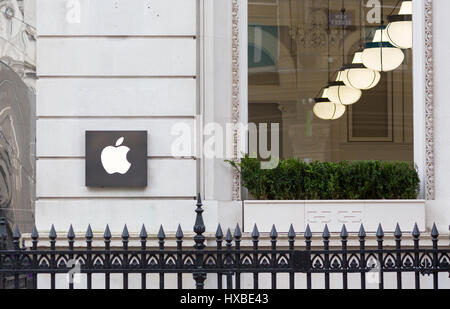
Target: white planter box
<point x="334" y="214"/>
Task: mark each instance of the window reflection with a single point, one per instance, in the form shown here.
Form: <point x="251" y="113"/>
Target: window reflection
<point x="295" y="48"/>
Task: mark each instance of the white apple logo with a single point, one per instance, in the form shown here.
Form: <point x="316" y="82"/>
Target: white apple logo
<point x="114" y="159"/>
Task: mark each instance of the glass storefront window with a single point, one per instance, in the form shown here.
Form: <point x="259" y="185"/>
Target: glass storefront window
<point x="304" y="53"/>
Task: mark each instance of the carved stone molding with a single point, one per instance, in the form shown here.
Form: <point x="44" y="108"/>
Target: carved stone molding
<point x="236" y="185"/>
<point x="429" y="104"/>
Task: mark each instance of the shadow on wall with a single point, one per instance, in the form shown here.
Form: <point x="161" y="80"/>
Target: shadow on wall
<point x="17" y="150"/>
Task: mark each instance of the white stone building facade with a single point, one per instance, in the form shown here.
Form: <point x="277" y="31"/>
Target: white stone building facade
<point x="154" y="65"/>
<point x="151" y="65"/>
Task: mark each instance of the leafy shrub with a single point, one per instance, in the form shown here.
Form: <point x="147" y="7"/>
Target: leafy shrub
<point x="294" y="179"/>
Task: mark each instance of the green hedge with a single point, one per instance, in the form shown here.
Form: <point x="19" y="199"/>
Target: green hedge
<point x="294" y="179"/>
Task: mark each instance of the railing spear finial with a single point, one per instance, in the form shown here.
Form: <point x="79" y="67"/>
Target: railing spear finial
<point x="199" y="227"/>
<point x="199" y="239"/>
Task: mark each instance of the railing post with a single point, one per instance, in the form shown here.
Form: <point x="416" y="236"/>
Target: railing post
<point x="52" y="236"/>
<point x="161" y="236"/>
<point x="219" y="240"/>
<point x="416" y="239"/>
<point x="3" y="234"/>
<point x="291" y="237"/>
<point x="255" y="237"/>
<point x="398" y="260"/>
<point x="362" y="249"/>
<point x="344" y="236"/>
<point x="199" y="239"/>
<point x="17" y="252"/>
<point x="229" y="259"/>
<point x="435" y="239"/>
<point x="2" y="247"/>
<point x="326" y="263"/>
<point x="89" y="236"/>
<point x="35" y="240"/>
<point x="125" y="237"/>
<point x="143" y="261"/>
<point x="237" y="242"/>
<point x="380" y="235"/>
<point x="107" y="263"/>
<point x="308" y="237"/>
<point x="71" y="240"/>
<point x="179" y="236"/>
<point x="273" y="256"/>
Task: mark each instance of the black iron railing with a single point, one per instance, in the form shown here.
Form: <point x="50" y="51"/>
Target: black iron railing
<point x="226" y="259"/>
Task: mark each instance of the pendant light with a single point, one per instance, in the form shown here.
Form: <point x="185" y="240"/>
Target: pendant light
<point x="327" y="110"/>
<point x="399" y="29"/>
<point x="338" y="92"/>
<point x="356" y="74"/>
<point x="324" y="108"/>
<point x="380" y="55"/>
